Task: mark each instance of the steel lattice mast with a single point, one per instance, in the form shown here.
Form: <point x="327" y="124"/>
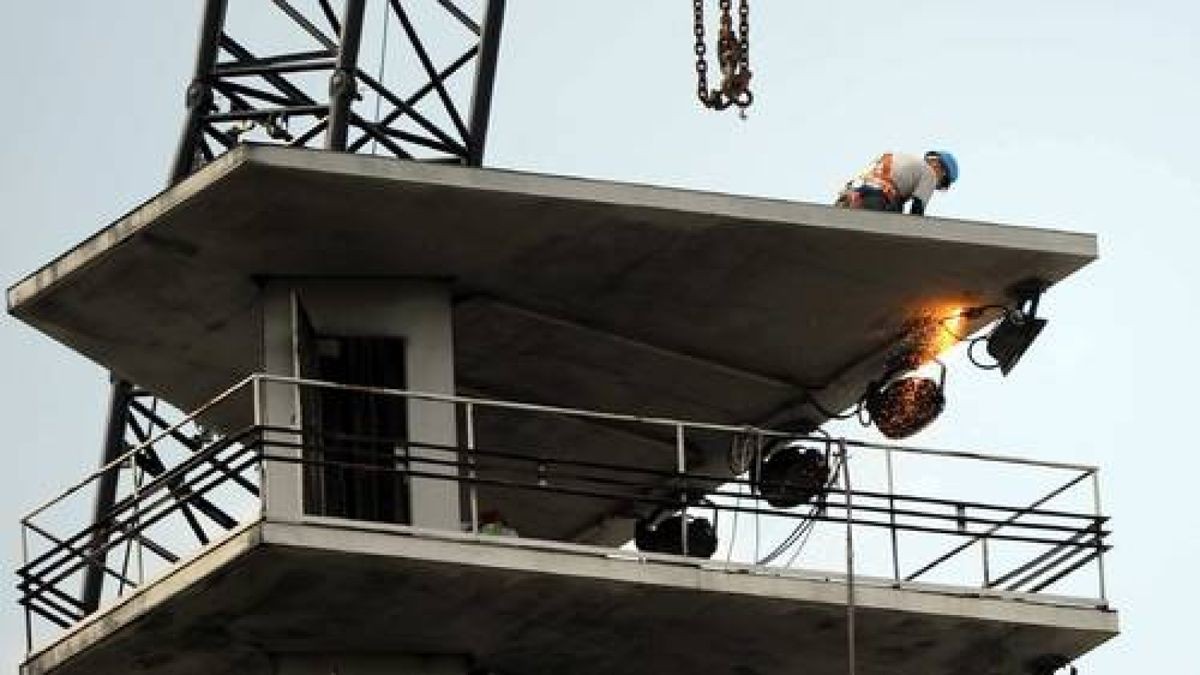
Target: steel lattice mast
<point x="237" y="94"/>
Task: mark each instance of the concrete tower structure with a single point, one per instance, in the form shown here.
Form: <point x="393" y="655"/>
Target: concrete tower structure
<point x="427" y="408"/>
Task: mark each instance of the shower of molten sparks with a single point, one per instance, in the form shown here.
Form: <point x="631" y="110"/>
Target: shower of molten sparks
<point x="951" y="324"/>
<point x="936" y="331"/>
<point x="906" y="405"/>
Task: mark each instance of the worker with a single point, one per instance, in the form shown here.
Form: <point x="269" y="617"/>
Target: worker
<point x="895" y="179"/>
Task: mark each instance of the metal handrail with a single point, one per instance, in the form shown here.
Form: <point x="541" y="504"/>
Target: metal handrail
<point x="1082" y="535"/>
<point x="665" y="422"/>
<point x="141" y="447"/>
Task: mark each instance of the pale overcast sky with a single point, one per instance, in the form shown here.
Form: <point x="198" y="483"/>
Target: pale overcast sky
<point x="1073" y="114"/>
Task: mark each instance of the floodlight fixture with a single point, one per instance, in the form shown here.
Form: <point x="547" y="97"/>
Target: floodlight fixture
<point x="1011" y="338"/>
<point x="663" y="532"/>
<point x="902" y="406"/>
<point x="790" y="475"/>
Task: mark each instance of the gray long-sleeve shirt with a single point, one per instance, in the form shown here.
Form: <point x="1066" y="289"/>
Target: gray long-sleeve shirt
<point x="909" y="175"/>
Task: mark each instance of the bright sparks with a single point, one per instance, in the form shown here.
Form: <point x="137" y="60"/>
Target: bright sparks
<point x="951" y="326"/>
<point x="935" y="332"/>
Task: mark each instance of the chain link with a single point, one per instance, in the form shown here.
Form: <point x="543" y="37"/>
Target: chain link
<point x="701" y="51"/>
<point x="744" y="32"/>
<point x="733" y="57"/>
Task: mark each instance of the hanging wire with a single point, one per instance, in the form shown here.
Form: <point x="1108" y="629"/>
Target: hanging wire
<point x="805" y="528"/>
<point x="974" y="360"/>
<point x="744" y="449"/>
<point x="758" y="459"/>
<point x="733" y="531"/>
<point x="803" y="542"/>
<point x="387" y="15"/>
<point x="129" y="546"/>
<point x="757" y="528"/>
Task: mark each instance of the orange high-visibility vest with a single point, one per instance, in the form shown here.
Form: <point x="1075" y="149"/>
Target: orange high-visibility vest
<point x="881" y="176"/>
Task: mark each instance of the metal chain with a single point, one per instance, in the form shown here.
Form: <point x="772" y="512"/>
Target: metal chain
<point x="701" y="51"/>
<point x="733" y="57"/>
<point x="727" y="46"/>
<point x="744" y="32"/>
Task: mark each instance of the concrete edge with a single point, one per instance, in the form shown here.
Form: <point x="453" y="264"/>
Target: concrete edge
<point x="567" y="188"/>
<point x="739" y="207"/>
<point x="86" y="252"/>
<point x="550" y="558"/>
<point x="592" y="562"/>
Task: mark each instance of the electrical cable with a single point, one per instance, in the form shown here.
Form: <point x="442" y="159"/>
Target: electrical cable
<point x="975" y="361"/>
<point x="740" y="452"/>
<point x="970" y="313"/>
<point x="803" y="542"/>
<point x="757" y="530"/>
<point x="796" y="534"/>
<point x="733" y="533"/>
<point x="382" y="64"/>
<point x="806" y="524"/>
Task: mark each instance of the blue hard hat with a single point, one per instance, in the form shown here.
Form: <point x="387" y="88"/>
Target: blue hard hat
<point x="948" y="162"/>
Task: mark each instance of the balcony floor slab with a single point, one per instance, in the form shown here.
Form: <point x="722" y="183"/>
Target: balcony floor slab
<point x="524" y="607"/>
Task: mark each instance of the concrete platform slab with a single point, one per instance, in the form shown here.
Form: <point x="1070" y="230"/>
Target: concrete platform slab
<point x="573" y="292"/>
<point x="524" y="608"/>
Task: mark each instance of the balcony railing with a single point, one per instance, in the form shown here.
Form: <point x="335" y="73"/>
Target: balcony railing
<point x="905" y="517"/>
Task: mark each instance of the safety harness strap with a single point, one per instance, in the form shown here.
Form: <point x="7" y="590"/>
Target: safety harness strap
<point x="881" y="176"/>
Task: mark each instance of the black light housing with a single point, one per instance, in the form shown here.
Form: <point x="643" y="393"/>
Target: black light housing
<point x="1012" y="337"/>
<point x="662" y="532"/>
<point x="900" y="407"/>
<point x="791" y="476"/>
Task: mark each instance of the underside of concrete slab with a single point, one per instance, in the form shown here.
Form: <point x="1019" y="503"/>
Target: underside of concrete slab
<point x="523" y="607"/>
<point x="576" y="292"/>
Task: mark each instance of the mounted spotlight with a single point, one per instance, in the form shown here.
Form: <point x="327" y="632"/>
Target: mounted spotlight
<point x="791" y="475"/>
<point x="902" y="406"/>
<point x="663" y="533"/>
<point x="1010" y="339"/>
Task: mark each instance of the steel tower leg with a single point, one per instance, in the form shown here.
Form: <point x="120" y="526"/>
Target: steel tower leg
<point x="199" y="91"/>
<point x="252" y="103"/>
<point x="199" y="98"/>
<point x="485" y="79"/>
<point x="342" y="84"/>
<point x="106" y="491"/>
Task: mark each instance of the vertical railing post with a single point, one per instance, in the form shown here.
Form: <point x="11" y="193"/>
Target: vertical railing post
<point x="1099" y="540"/>
<point x="987" y="571"/>
<point x="137" y="519"/>
<point x="850" y="598"/>
<point x="681" y="460"/>
<point x="258" y="438"/>
<point x="471" y="473"/>
<point x="891" y="488"/>
<point x="256" y="394"/>
<point x="24" y="562"/>
<point x="342" y="84"/>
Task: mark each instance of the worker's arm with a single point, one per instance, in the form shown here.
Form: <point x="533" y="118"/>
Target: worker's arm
<point x="923" y="192"/>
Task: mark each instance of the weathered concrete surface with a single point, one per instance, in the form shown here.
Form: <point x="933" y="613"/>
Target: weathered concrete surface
<point x="530" y="609"/>
<point x="576" y="292"/>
